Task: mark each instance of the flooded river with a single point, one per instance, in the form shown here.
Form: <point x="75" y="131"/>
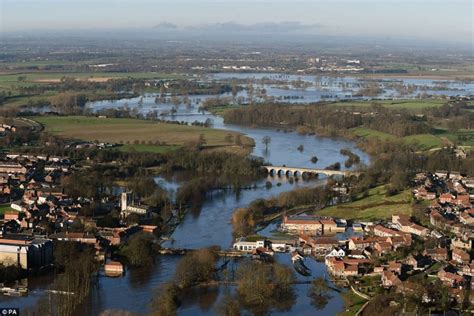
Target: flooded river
<point x="211" y="225"/>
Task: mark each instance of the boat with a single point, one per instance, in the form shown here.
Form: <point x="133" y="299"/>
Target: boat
<point x="298" y="264"/>
<point x="301" y="268"/>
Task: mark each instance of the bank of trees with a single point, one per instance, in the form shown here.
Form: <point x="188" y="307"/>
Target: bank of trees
<point x="326" y="120"/>
<point x="194" y="268"/>
<point x="262" y="287"/>
<point x="77" y="268"/>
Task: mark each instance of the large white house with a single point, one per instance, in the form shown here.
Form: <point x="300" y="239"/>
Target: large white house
<point x="242" y="244"/>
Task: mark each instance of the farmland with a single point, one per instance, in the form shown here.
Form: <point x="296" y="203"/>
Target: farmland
<point x="414" y="105"/>
<point x="376" y="205"/>
<point x="139" y="135"/>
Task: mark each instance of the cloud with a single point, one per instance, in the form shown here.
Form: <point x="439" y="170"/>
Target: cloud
<point x="233" y="27"/>
<point x="166" y="26"/>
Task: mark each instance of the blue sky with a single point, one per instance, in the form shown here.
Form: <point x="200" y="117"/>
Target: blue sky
<point x="440" y="20"/>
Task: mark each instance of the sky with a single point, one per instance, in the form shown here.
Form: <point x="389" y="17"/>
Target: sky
<point x="442" y="20"/>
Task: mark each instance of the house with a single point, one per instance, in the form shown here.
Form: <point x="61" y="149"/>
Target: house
<point x="335" y="267"/>
<point x="12" y="167"/>
<point x="11" y="215"/>
<point x="416" y="262"/>
<point x="324" y="243"/>
<point x="404" y="240"/>
<point x="360" y="243"/>
<point x="359" y="254"/>
<point x="281" y="245"/>
<point x="450" y="279"/>
<point x="383" y="247"/>
<point x="113" y="268"/>
<point x="418" y="230"/>
<point x="245" y="244"/>
<point x="459" y="243"/>
<point x="438" y="254"/>
<point x="446" y="198"/>
<point x="378" y="269"/>
<point x="468" y="270"/>
<point x="395" y="267"/>
<point x="336" y="252"/>
<point x="351" y="270"/>
<point x="462" y="200"/>
<point x="382" y="231"/>
<point x="460" y="256"/>
<point x="305" y="224"/>
<point x="330" y="226"/>
<point x="467" y="217"/>
<point x="389" y="279"/>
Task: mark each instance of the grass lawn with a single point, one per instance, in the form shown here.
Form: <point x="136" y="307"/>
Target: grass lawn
<point x="374" y="206"/>
<point x="425" y="141"/>
<point x="461" y="137"/>
<point x="352" y="303"/>
<point x="367" y="132"/>
<point x="115" y="130"/>
<point x="4" y="208"/>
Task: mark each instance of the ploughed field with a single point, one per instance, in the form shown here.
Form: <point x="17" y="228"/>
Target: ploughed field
<point x="140" y="135"/>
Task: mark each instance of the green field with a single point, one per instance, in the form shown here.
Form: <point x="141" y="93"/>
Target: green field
<point x="352" y="303"/>
<point x="374" y="206"/>
<point x="35" y="76"/>
<point x="149" y="148"/>
<point x="425" y="141"/>
<point x="367" y="132"/>
<point x="438" y="139"/>
<point x="136" y="134"/>
<point x="415" y="105"/>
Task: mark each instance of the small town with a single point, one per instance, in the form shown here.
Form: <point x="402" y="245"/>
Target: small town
<point x="393" y="254"/>
<point x="236" y="158"/>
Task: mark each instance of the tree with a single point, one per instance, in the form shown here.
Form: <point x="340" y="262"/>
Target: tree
<point x="139" y="250"/>
<point x="166" y="302"/>
<point x="262" y="286"/>
<point x="201" y="141"/>
<point x="238" y="140"/>
<point x="197" y="266"/>
<point x="266" y="140"/>
<point x="228" y="306"/>
<point x="229" y="138"/>
<point x="318" y="293"/>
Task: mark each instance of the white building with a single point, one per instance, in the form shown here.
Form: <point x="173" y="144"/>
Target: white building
<point x="242" y="244"/>
<point x="127" y="208"/>
<point x="337" y="252"/>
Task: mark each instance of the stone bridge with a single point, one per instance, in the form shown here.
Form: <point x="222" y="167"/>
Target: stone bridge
<point x="299" y="172"/>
